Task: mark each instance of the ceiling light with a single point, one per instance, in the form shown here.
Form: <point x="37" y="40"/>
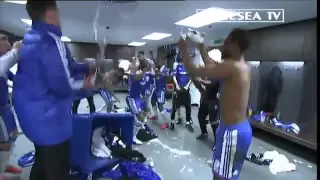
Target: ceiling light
<point x="17" y="2"/>
<point x="137" y="43"/>
<point x="156" y="36"/>
<point x="254" y="63"/>
<point x="293" y="63"/>
<point x="206" y="17"/>
<point x="29" y="23"/>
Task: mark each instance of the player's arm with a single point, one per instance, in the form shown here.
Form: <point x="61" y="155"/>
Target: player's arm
<point x="207" y="60"/>
<point x="217" y="71"/>
<point x="109" y="87"/>
<point x="174" y="73"/>
<point x="188" y="85"/>
<point x="198" y="85"/>
<point x="7" y="61"/>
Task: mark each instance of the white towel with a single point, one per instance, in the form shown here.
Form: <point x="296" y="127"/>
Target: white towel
<point x="98" y="147"/>
<point x="280" y="163"/>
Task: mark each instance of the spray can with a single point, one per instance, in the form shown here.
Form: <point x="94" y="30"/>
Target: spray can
<point x="262" y="116"/>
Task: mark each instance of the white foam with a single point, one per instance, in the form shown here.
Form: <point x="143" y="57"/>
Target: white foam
<point x="182" y="169"/>
<point x="172" y="150"/>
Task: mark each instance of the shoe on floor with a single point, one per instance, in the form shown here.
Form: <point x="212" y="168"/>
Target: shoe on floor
<point x="189" y="127"/>
<point x="172" y="126"/>
<point x="145" y="136"/>
<point x="13" y="170"/>
<point x="179" y="121"/>
<point x="153" y="118"/>
<point x="202" y="136"/>
<point x="164" y="126"/>
<point x="137" y="141"/>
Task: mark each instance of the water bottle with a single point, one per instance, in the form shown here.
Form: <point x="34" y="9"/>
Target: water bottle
<point x="278" y="116"/>
<point x="262" y="116"/>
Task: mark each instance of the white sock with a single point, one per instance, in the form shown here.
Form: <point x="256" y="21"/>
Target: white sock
<point x="163" y="112"/>
<point x="179" y="113"/>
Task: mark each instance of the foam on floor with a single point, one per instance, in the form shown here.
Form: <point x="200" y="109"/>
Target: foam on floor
<point x="178" y="155"/>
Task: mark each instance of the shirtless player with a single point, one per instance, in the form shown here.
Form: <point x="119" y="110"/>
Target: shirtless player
<point x="234" y="133"/>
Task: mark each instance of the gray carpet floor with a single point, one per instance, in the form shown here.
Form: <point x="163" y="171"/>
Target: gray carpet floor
<point x="178" y="155"/>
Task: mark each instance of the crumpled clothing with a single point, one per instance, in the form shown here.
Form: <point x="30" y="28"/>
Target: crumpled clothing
<point x="131" y="169"/>
<point x="280" y="163"/>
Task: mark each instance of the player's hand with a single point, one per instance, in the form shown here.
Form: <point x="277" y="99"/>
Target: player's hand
<point x="178" y="88"/>
<point x="183" y="36"/>
<point x="183" y="45"/>
<point x="16" y="45"/>
<point x="218" y="95"/>
<point x="89" y="82"/>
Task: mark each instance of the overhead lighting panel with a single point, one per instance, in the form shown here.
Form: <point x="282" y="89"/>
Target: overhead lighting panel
<point x="136" y="43"/>
<point x="155" y="36"/>
<point x="206" y="17"/>
<point x="17" y="2"/>
<point x="28" y="22"/>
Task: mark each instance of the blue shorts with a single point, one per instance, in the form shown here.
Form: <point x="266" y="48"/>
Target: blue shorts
<point x="106" y="95"/>
<point x="231" y="147"/>
<point x="159" y="96"/>
<point x="149" y="91"/>
<point x="136" y="105"/>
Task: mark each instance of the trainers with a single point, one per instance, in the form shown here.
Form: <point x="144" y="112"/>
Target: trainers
<point x="189" y="127"/>
<point x="179" y="121"/>
<point x="153" y="118"/>
<point x="13" y="170"/>
<point x="137" y="141"/>
<point x="164" y="126"/>
<point x="145" y="136"/>
<point x="172" y="126"/>
<point x="202" y="136"/>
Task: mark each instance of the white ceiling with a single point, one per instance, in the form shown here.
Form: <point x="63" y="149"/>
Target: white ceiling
<point x="131" y="21"/>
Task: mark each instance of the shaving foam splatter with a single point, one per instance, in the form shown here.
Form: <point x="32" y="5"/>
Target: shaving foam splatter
<point x="172" y="150"/>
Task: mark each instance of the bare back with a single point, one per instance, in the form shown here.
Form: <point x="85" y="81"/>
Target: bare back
<point x="235" y="94"/>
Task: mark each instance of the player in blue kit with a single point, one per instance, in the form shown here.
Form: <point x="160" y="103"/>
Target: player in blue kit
<point x="234" y="134"/>
<point x="158" y="97"/>
<point x="149" y="86"/>
<point x="135" y="101"/>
